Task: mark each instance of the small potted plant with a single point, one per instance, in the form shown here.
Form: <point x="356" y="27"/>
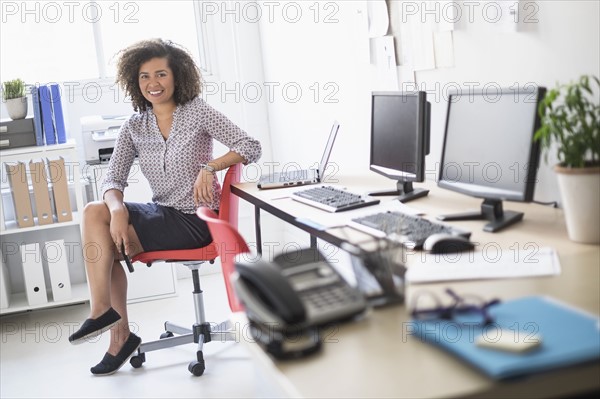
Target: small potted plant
<point x="570" y="122"/>
<point x="15" y="99"/>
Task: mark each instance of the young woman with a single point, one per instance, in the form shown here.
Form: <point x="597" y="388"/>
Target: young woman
<point x="172" y="135"/>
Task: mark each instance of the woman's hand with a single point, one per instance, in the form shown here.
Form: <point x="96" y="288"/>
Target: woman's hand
<point x="203" y="187"/>
<point x="119" y="228"/>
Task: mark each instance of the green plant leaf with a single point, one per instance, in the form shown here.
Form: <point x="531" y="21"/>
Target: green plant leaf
<point x="13" y="89"/>
<point x="570" y="117"/>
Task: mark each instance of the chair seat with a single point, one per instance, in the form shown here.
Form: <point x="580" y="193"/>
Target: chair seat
<point x="206" y="253"/>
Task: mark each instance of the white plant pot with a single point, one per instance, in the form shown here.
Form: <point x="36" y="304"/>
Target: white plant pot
<point x="17" y="108"/>
<point x="580" y="193"/>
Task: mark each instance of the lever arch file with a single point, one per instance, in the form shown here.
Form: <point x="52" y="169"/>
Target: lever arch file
<point x="45" y="97"/>
<point x="4" y="285"/>
<point x="17" y="176"/>
<point x="37" y="116"/>
<point x="57" y="113"/>
<point x="58" y="269"/>
<point x="39" y="181"/>
<point x="33" y="274"/>
<point x="60" y="189"/>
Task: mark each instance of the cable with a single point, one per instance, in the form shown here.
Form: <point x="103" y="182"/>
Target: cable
<point x="553" y="203"/>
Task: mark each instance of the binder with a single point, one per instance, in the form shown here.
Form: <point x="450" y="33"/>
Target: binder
<point x="47" y="121"/>
<point x="60" y="189"/>
<point x="58" y="269"/>
<point x="5" y="289"/>
<point x="33" y="274"/>
<point x="2" y="217"/>
<point x="57" y="113"/>
<point x="37" y="116"/>
<point x="568" y="336"/>
<point x="39" y="181"/>
<point x="17" y="177"/>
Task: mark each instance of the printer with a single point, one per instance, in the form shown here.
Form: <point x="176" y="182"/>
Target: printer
<point x="99" y="133"/>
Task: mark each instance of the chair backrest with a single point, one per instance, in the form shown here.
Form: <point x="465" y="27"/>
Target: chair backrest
<point x="229" y="203"/>
<point x="229" y="244"/>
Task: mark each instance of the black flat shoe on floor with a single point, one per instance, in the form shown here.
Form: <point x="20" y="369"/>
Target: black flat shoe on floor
<point x="93" y="327"/>
<point x="110" y="364"/>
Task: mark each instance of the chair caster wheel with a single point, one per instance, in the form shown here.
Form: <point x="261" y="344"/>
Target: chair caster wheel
<point x="167" y="334"/>
<point x="197" y="368"/>
<point x="137" y="361"/>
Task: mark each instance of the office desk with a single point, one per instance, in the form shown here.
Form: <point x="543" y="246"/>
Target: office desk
<point x="376" y="357"/>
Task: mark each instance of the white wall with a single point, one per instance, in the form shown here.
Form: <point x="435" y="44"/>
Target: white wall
<point x="561" y="46"/>
<point x="325" y="54"/>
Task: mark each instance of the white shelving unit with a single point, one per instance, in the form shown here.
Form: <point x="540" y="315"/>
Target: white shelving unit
<point x="12" y="236"/>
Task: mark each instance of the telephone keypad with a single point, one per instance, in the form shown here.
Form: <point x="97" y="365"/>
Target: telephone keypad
<point x="332" y="297"/>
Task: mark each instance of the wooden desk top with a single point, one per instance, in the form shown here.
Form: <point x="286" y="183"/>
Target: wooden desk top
<point x="376" y="357"/>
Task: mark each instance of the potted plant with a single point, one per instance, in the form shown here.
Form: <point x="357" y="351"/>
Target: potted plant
<point x="570" y="120"/>
<point x="15" y="98"/>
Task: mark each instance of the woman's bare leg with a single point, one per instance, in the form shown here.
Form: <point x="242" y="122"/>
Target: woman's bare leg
<point x="106" y="277"/>
<point x="118" y="295"/>
<point x="98" y="254"/>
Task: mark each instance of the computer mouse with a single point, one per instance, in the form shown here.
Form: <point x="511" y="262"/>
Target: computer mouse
<point x="447" y="243"/>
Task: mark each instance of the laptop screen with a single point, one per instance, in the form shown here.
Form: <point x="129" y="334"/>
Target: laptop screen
<point x="328" y="148"/>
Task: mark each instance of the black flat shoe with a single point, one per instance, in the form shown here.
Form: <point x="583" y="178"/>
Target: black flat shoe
<point x="93" y="327"/>
<point x="110" y="364"/>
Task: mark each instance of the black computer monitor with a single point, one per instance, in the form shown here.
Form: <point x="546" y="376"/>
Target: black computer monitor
<point x="489" y="151"/>
<point x="400" y="140"/>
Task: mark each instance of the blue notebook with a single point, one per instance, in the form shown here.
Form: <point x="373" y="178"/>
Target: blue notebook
<point x="57" y="113"/>
<point x="568" y="336"/>
<point x="37" y="116"/>
<point x="47" y="119"/>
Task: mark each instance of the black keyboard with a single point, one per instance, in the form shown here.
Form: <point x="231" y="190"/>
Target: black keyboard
<point x="409" y="230"/>
<point x="333" y="199"/>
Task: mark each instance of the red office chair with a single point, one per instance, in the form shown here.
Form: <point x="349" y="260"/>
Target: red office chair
<point x="231" y="243"/>
<point x="201" y="331"/>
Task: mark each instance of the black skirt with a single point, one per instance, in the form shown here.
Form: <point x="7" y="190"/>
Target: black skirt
<point x="162" y="228"/>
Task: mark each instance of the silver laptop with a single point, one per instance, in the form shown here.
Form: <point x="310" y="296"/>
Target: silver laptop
<point x="304" y="176"/>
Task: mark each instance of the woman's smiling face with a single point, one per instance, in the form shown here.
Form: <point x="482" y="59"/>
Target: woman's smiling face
<point x="156" y="81"/>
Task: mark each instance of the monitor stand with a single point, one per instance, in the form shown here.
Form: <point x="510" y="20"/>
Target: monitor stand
<point x="404" y="190"/>
<point x="491" y="209"/>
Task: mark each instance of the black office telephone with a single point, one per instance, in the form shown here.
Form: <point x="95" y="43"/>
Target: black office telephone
<point x="297" y="292"/>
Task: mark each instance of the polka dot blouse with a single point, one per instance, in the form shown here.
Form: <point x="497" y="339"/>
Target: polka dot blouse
<point x="171" y="166"/>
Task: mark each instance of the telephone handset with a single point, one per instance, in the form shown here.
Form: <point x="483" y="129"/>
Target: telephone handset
<point x="268" y="296"/>
<point x="298" y="289"/>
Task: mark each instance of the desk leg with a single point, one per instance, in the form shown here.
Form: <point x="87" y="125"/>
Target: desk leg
<point x="257" y="229"/>
<point x="313" y="242"/>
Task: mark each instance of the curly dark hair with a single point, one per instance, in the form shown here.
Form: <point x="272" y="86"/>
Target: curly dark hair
<point x="186" y="74"/>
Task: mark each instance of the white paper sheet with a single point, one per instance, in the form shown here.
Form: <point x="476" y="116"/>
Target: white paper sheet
<point x="444" y="49"/>
<point x="488" y="262"/>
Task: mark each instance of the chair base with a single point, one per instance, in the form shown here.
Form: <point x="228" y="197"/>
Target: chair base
<point x="201" y="333"/>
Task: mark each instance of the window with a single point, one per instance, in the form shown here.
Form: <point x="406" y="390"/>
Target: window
<point x="65" y="41"/>
<point x="38" y="50"/>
